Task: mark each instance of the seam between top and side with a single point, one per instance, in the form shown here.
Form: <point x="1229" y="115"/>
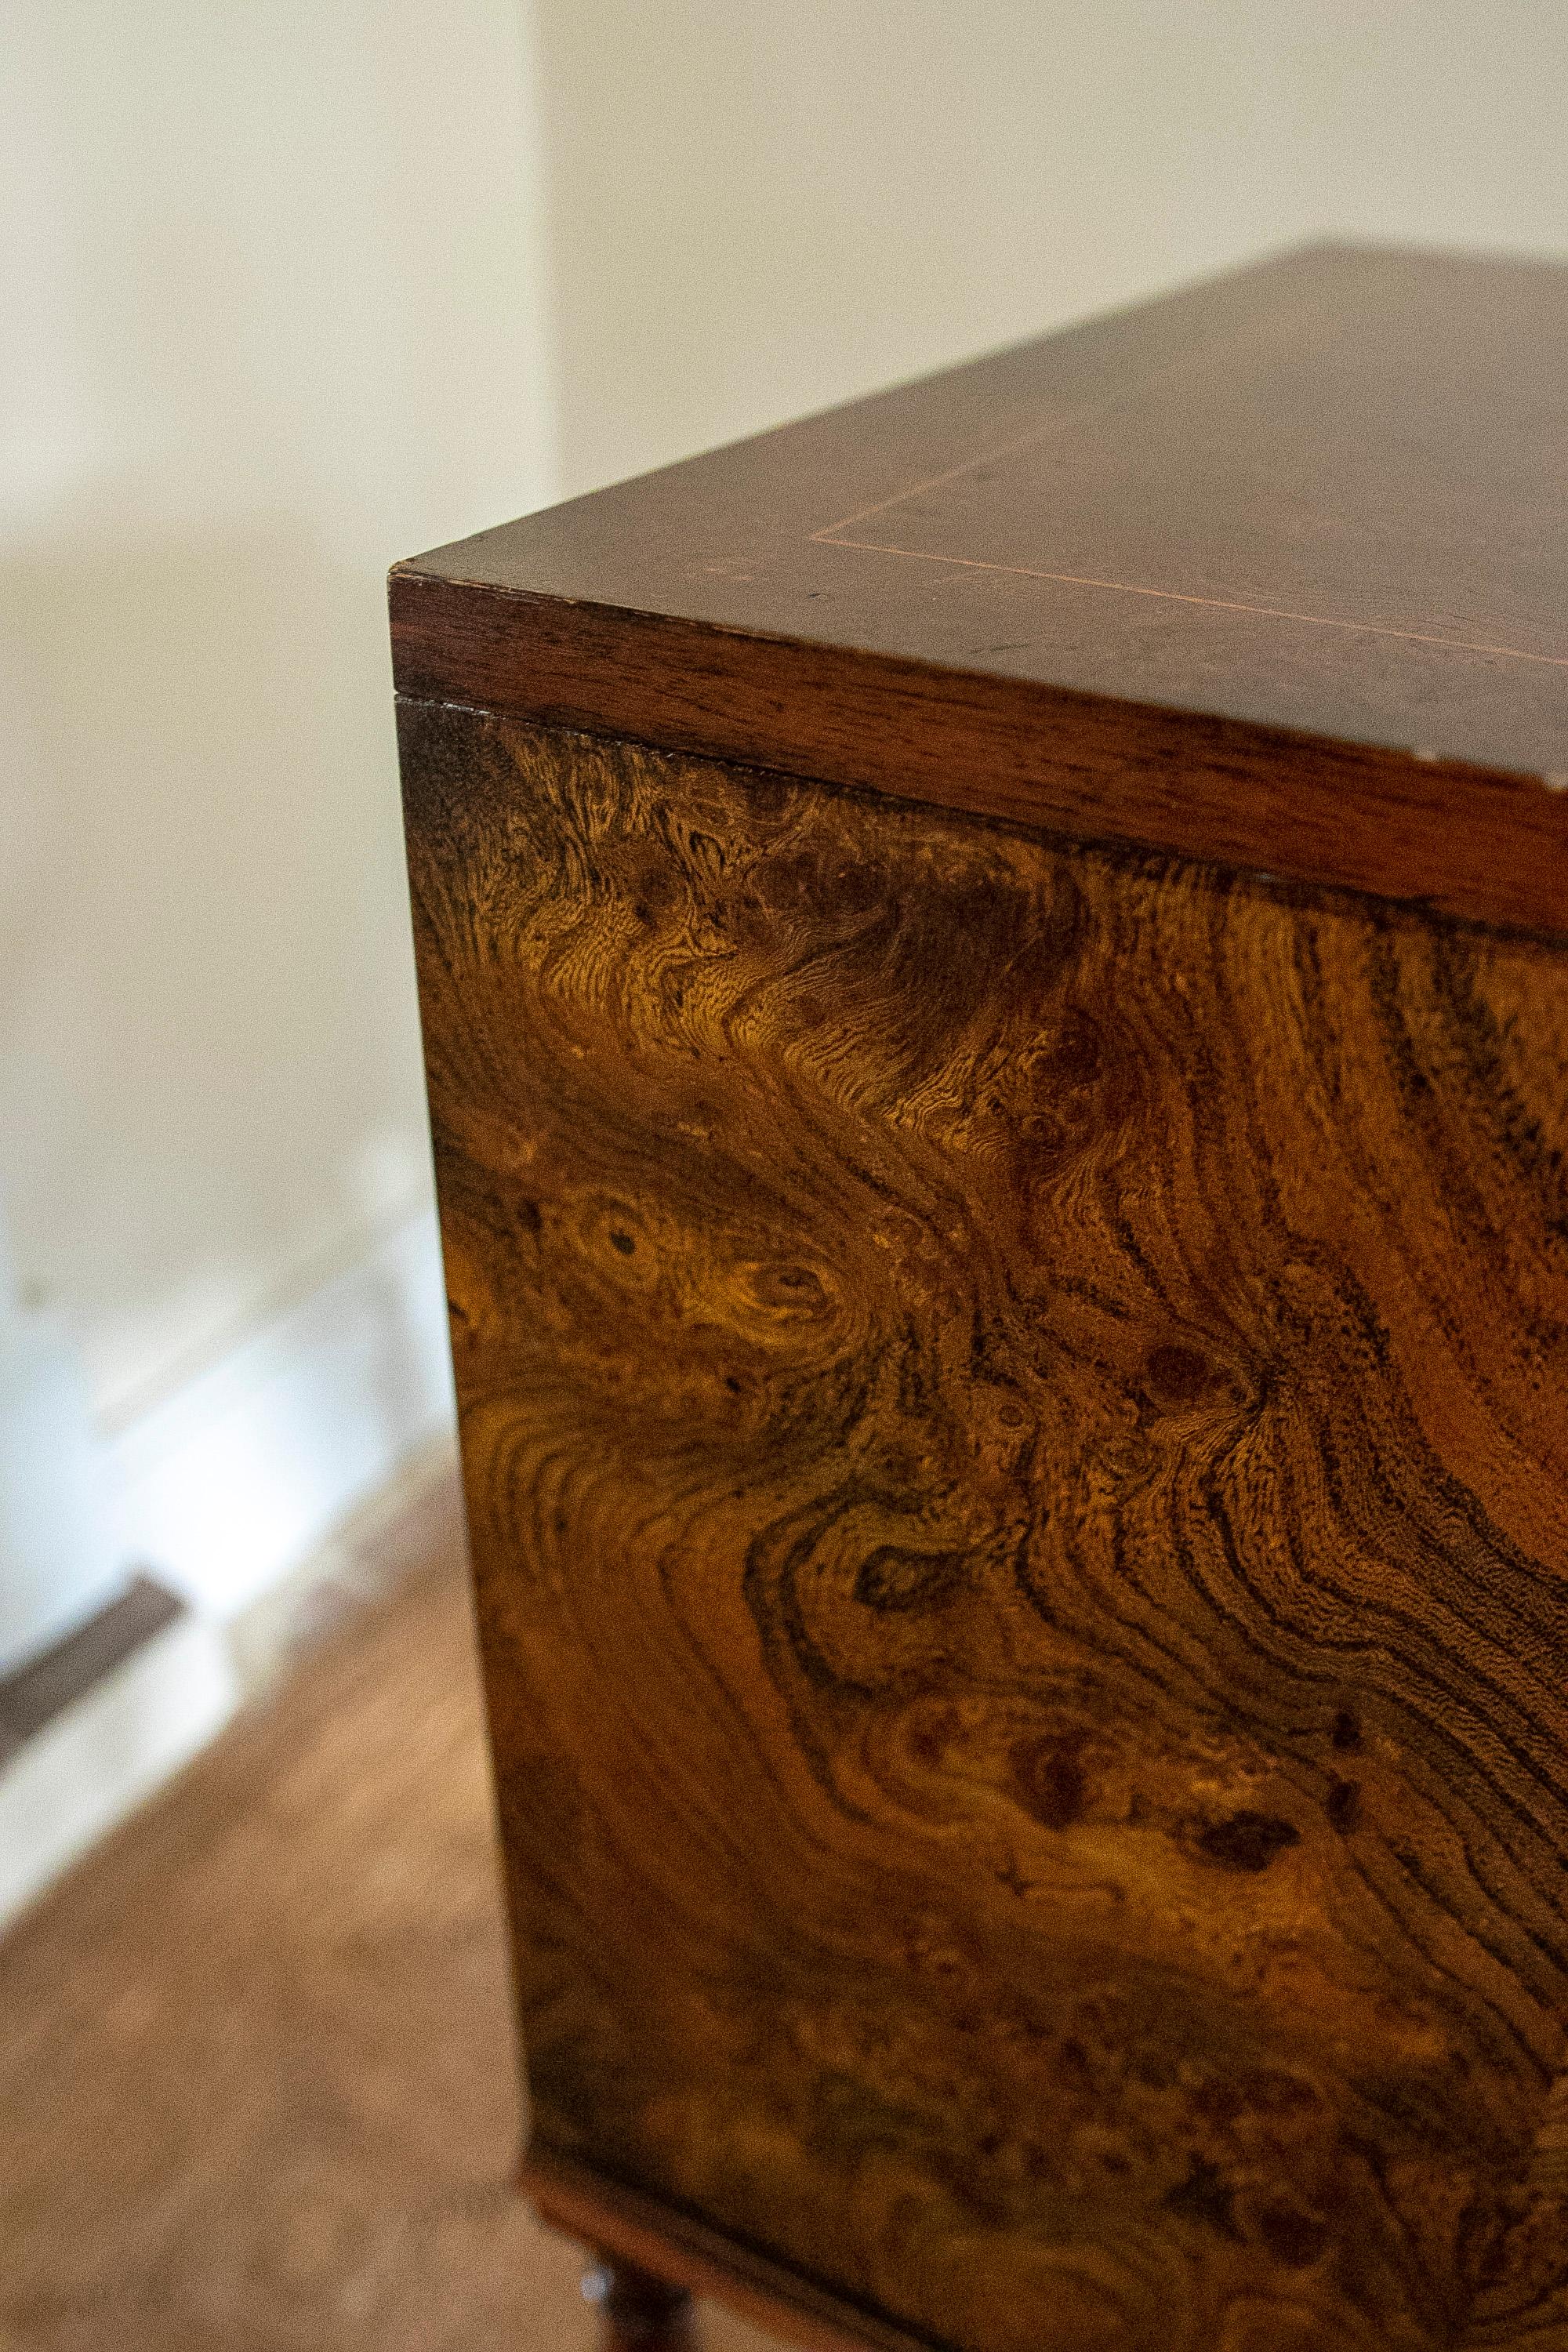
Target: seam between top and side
<point x="1152" y="859"/>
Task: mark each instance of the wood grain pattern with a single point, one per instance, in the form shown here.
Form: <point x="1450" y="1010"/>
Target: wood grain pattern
<point x="1481" y="844"/>
<point x="1271" y="571"/>
<point x="1322" y="492"/>
<point x="1014" y="1415"/>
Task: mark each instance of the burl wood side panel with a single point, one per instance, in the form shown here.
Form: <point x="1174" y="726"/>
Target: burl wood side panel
<point x="1015" y="1419"/>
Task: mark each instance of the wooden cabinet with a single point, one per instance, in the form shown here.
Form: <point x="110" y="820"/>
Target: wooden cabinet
<point x="994" y="971"/>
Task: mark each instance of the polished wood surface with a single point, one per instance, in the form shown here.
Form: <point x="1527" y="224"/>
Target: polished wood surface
<point x="1015" y="1439"/>
<point x="1272" y="572"/>
<point x="1427" y="833"/>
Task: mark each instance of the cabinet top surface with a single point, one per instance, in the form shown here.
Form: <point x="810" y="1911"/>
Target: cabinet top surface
<point x="1325" y="495"/>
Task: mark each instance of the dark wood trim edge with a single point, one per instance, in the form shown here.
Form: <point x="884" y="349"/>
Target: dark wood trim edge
<point x="636" y="2227"/>
<point x="1479" y="843"/>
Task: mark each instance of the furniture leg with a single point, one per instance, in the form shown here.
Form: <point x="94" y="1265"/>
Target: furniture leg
<point x="638" y="2313"/>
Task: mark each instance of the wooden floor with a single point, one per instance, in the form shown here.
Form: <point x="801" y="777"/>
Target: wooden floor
<point x="256" y="2068"/>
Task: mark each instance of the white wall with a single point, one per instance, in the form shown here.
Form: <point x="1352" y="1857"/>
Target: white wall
<point x="271" y="320"/>
<point x="760" y="207"/>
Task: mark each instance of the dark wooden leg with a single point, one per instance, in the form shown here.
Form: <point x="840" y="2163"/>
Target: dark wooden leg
<point x="638" y="2313"/>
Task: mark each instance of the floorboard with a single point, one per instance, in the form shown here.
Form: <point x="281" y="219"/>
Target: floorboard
<point x="255" y="2062"/>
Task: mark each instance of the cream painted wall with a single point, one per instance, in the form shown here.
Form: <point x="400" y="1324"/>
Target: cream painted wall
<point x="760" y="207"/>
<point x="272" y="318"/>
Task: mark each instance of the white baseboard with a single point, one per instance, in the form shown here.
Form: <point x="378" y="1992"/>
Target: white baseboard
<point x="239" y="1492"/>
<point x="226" y="1486"/>
<point x="80" y="1776"/>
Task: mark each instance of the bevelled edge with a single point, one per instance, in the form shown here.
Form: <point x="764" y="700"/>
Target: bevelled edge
<point x="636" y="2227"/>
<point x="1483" y="844"/>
